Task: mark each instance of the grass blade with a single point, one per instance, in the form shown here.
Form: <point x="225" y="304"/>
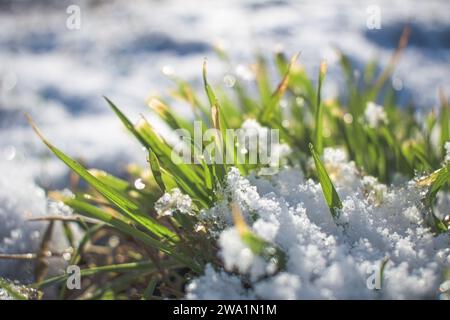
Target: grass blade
<point x="146" y="266"/>
<point x="126" y="227"/>
<point x="329" y="192"/>
<point x="445" y="121"/>
<point x="279" y="92"/>
<point x="156" y="170"/>
<point x="318" y="134"/>
<point x="121" y="202"/>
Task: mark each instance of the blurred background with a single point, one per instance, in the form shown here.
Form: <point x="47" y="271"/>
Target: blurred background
<point x="57" y="59"/>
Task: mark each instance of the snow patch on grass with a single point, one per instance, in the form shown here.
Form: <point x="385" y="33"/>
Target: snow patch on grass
<point x="325" y="259"/>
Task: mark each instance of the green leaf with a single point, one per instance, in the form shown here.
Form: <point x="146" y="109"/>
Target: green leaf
<point x="329" y="192"/>
<point x="318" y="134"/>
<point x="276" y="96"/>
<point x="126" y="122"/>
<point x="146" y="266"/>
<point x="219" y="125"/>
<point x="435" y="181"/>
<point x="191" y="182"/>
<point x="110" y="180"/>
<point x="444" y="122"/>
<point x="156" y="170"/>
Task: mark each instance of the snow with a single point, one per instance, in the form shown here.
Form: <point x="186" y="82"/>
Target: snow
<point x="20" y="200"/>
<point x="218" y="285"/>
<point x="375" y="115"/>
<point x="59" y="75"/>
<point x="172" y="202"/>
<point x="326" y="259"/>
<point x="24" y="291"/>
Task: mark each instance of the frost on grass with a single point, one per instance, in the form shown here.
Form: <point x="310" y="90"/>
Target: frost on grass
<point x="325" y="259"/>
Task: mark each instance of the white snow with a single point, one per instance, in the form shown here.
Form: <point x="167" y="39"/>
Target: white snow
<point x="59" y="75"/>
<point x="21" y="199"/>
<point x="375" y="115"/>
<point x="326" y="259"/>
<point x="172" y="202"/>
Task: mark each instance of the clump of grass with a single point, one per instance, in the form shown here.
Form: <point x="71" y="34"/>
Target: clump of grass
<point x="164" y="252"/>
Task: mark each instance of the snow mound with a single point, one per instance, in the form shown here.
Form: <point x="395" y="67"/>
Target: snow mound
<point x="326" y="259"/>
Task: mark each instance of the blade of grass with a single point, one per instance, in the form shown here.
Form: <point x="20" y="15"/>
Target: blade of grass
<point x="119" y="268"/>
<point x="156" y="170"/>
<point x="124" y="226"/>
<point x="217" y="121"/>
<point x="276" y="96"/>
<point x="329" y="192"/>
<point x="121" y="202"/>
<point x="436" y="181"/>
<point x="150" y="289"/>
<point x="444" y="121"/>
<point x="110" y="180"/>
<point x="127" y="123"/>
<point x="318" y="134"/>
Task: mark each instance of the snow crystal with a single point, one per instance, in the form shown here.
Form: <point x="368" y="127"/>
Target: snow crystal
<point x="375" y="115"/>
<point x="325" y="259"/>
<point x="237" y="255"/>
<point x="217" y="285"/>
<point x="172" y="202"/>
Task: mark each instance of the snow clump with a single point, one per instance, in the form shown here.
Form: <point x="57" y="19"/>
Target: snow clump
<point x="172" y="202"/>
<point x="326" y="259"/>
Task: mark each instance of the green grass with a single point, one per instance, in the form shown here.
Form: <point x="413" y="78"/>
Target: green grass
<point x="329" y="192"/>
<point x="170" y="247"/>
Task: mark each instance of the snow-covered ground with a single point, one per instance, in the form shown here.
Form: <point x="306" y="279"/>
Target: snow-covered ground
<point x="58" y="75"/>
<point x="327" y="258"/>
